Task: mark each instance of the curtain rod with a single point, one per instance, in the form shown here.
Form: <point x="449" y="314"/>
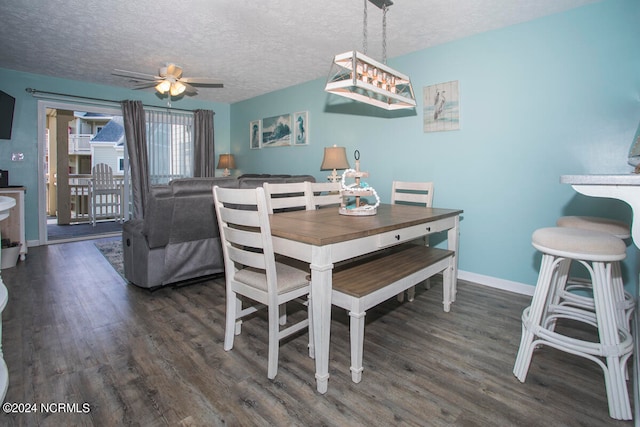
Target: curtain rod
<point x="35" y="93"/>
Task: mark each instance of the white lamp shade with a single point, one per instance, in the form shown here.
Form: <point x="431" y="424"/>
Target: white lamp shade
<point x="226" y="161"/>
<point x="334" y="158"/>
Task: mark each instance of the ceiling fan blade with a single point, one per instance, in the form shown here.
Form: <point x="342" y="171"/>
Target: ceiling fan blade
<point x="134" y="75"/>
<point x="144" y="85"/>
<point x="190" y="90"/>
<point x="174" y="70"/>
<point x="202" y="81"/>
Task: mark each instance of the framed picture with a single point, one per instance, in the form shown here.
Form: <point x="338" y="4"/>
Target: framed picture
<point x="301" y="128"/>
<point x="255" y="135"/>
<point x="441" y="107"/>
<point x="276" y="131"/>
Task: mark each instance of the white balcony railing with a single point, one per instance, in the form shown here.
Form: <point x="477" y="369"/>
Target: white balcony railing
<point x="80" y="143"/>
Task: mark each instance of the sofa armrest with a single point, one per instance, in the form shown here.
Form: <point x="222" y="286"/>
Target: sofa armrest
<point x="158" y="215"/>
<point x="194" y="216"/>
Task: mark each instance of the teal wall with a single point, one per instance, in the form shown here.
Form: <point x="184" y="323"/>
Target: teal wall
<point x="24" y="136"/>
<point x="558" y="95"/>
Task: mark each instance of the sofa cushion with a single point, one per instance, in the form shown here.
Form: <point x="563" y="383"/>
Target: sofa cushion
<point x="198" y="186"/>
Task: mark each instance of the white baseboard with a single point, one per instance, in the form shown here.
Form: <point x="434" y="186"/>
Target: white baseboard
<point x="494" y="282"/>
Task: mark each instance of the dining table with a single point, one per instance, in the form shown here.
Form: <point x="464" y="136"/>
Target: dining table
<point x="324" y="237"/>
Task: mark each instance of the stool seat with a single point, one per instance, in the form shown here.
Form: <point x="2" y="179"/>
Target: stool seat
<point x="619" y="229"/>
<point x="578" y="243"/>
<point x="576" y="287"/>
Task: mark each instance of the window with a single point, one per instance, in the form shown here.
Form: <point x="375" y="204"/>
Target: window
<point x="121" y="164"/>
<point x="169" y="145"/>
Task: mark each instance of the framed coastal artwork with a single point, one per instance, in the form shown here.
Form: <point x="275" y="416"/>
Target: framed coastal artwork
<point x="441" y="107"/>
<point x="301" y="128"/>
<point x="255" y="135"/>
<point x="276" y="131"/>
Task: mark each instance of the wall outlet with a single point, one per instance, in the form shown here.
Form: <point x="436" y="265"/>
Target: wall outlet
<point x="17" y="157"/>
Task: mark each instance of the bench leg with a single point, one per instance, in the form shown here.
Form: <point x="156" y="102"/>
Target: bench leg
<point x="411" y="293"/>
<point x="448" y="286"/>
<point x="356" y="325"/>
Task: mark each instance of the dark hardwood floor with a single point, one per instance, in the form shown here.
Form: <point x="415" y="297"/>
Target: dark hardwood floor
<point x="74" y="332"/>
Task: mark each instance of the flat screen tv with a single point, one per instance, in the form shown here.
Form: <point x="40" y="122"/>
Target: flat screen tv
<point x="7" y="102"/>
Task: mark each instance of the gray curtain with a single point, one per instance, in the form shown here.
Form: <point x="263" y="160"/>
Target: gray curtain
<point x="136" y="134"/>
<point x="204" y="158"/>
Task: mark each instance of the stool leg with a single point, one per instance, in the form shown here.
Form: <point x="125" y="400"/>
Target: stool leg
<point x="614" y="374"/>
<point x="558" y="285"/>
<point x="618" y="293"/>
<point x="532" y="316"/>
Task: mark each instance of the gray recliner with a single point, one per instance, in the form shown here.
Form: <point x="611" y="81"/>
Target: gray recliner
<point x="178" y="239"/>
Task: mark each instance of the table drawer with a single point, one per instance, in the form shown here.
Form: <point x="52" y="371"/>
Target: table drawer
<point x="410" y="233"/>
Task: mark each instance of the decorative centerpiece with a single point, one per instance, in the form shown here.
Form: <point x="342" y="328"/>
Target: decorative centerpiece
<point x="353" y="196"/>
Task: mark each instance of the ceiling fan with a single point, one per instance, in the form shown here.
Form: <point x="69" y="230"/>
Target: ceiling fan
<point x="169" y="79"/>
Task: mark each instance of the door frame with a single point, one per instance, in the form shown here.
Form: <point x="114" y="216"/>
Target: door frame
<point x="43" y="105"/>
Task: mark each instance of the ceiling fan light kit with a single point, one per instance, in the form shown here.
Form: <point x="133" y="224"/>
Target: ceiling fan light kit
<point x="174" y="88"/>
<point x="356" y="76"/>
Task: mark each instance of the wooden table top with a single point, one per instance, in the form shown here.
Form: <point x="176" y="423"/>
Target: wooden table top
<point x="326" y="226"/>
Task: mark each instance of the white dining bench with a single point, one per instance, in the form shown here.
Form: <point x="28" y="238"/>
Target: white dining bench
<point x="360" y="285"/>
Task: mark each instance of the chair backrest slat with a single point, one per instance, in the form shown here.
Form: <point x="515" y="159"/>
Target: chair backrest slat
<point x="320" y="194"/>
<point x="282" y="196"/>
<point x="418" y="193"/>
<point x="102" y="176"/>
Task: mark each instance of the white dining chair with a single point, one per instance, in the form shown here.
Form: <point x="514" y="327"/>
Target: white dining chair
<point x="417" y="194"/>
<point x="282" y="196"/>
<point x="322" y="194"/>
<point x="252" y="271"/>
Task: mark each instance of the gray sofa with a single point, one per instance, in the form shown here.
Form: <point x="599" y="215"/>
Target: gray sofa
<point x="178" y="239"/>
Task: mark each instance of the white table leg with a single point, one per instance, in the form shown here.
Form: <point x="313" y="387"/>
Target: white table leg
<point x="321" y="272"/>
<point x="453" y="242"/>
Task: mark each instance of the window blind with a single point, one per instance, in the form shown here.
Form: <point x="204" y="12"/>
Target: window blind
<point x="170" y="145"/>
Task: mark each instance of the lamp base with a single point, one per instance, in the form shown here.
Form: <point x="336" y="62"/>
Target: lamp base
<point x="226" y="172"/>
<point x="334" y="177"/>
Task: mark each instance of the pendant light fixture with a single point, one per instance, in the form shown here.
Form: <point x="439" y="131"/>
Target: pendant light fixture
<point x="356" y="76"/>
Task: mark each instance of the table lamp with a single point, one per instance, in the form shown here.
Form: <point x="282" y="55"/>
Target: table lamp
<point x="334" y="158"/>
<point x="226" y="162"/>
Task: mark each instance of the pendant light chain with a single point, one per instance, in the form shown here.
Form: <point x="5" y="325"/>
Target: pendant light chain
<point x="384" y="34"/>
<point x="364" y="29"/>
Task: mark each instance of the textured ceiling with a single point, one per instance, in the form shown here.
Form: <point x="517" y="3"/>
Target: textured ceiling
<point x="255" y="47"/>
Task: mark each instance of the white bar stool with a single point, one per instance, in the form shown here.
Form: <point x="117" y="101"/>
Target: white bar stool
<point x="568" y="296"/>
<point x="597" y="251"/>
